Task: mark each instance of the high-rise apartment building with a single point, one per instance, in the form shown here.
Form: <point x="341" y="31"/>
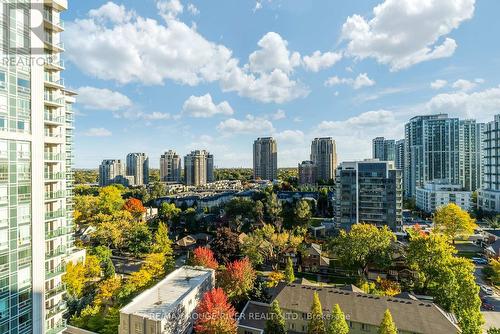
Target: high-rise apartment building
<point x="307" y="172"/>
<point x="399" y="159"/>
<point x="438" y="147"/>
<point x="384" y="149"/>
<point x="198" y="168"/>
<point x="265" y="159"/>
<point x="111" y="171"/>
<point x="489" y="194"/>
<point x="36" y="166"/>
<point x="369" y="191"/>
<point x="432" y="151"/>
<point x="471" y="154"/>
<point x="170" y="167"/>
<point x="324" y="155"/>
<point x="137" y="166"/>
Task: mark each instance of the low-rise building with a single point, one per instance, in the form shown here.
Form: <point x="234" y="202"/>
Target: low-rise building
<point x="439" y="192"/>
<point x="364" y="312"/>
<point x="307" y="172"/>
<point x="168" y="307"/>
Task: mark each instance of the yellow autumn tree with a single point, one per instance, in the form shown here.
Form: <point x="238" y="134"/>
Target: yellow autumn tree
<point x="453" y="222"/>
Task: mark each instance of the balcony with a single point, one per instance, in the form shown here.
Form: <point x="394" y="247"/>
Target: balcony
<point x="51" y="23"/>
<point x="53" y="82"/>
<point x="52" y="100"/>
<point x="50" y="215"/>
<point x="58" y="176"/>
<point x="55" y="64"/>
<point x="56" y="157"/>
<point x="60" y="288"/>
<point x="56" y="233"/>
<point x="55" y="309"/>
<point x="58" y="251"/>
<point x="59" y="327"/>
<point x="52" y="45"/>
<point x="53" y="195"/>
<point x="57" y="271"/>
<point x="52" y="118"/>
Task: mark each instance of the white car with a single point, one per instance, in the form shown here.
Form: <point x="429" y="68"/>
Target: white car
<point x="487" y="290"/>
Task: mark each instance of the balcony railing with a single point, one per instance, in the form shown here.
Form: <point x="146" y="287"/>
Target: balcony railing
<point x="57" y="328"/>
<point x="54" y="156"/>
<point x="50" y="117"/>
<point x="55" y="309"/>
<point x="55" y="214"/>
<point x="60" y="288"/>
<point x="55" y="194"/>
<point x="56" y="232"/>
<point x="59" y="270"/>
<point x="54" y="176"/>
<point x="58" y="251"/>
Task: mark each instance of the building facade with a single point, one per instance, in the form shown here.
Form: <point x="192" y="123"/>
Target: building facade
<point x="369" y="191"/>
<point x="307" y="172"/>
<point x="168" y="307"/>
<point x="432" y="151"/>
<point x="265" y="159"/>
<point x="324" y="155"/>
<point x="471" y="154"/>
<point x="198" y="168"/>
<point x="384" y="149"/>
<point x="111" y="171"/>
<point x="399" y="159"/>
<point x="137" y="166"/>
<point x="438" y="147"/>
<point x="438" y="193"/>
<point x="170" y="167"/>
<point x="36" y="162"/>
<point x="489" y="194"/>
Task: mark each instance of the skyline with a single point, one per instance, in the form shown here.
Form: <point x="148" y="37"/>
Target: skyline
<point x="134" y="102"/>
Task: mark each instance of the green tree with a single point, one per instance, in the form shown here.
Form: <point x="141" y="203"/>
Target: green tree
<point x="493" y="330"/>
<point x="169" y="212"/>
<point x="302" y="212"/>
<point x="317" y="323"/>
<point x="289" y="273"/>
<point x="157" y="190"/>
<point x="453" y="222"/>
<point x="274" y="209"/>
<point x="103" y="253"/>
<point x="259" y="211"/>
<point x="338" y="324"/>
<point x="109" y="268"/>
<point x="139" y="239"/>
<point x="162" y="243"/>
<point x="275" y="324"/>
<point x="74" y="278"/>
<point x="364" y="244"/>
<point x="110" y="199"/>
<point x="387" y="326"/>
<point x="226" y="245"/>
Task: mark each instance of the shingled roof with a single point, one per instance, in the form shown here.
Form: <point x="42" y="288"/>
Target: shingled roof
<point x="409" y="315"/>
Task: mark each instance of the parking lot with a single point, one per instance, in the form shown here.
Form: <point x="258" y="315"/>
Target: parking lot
<point x="491" y="317"/>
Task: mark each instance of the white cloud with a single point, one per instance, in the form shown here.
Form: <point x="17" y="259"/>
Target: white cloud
<point x="318" y="61"/>
<point x="250" y="124"/>
<point x="279" y="114"/>
<point x="111" y="12"/>
<point x="102" y="99"/>
<point x="136" y="49"/>
<point x="406" y="32"/>
<point x="273" y="54"/>
<point x="258" y="6"/>
<point x="97" y="132"/>
<point x="464" y="85"/>
<point x="133" y="114"/>
<point x="193" y="10"/>
<point x="169" y="9"/>
<point x="482" y="105"/>
<point x="438" y="84"/>
<point x="362" y="80"/>
<point x="292" y="136"/>
<point x="204" y="107"/>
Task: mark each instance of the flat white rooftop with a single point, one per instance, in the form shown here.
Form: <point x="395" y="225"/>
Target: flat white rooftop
<point x="168" y="293"/>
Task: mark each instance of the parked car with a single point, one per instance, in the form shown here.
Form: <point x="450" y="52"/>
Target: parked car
<point x="487" y="290"/>
<point x="479" y="260"/>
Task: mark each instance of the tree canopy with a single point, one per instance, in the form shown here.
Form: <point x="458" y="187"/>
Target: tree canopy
<point x="453" y="222"/>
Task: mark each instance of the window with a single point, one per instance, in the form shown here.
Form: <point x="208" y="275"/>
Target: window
<point x="3" y="102"/>
<point x="4" y="239"/>
<point x="24" y="234"/>
<point x="4" y="217"/>
<point x="365" y="327"/>
<point x="4" y="308"/>
<point x="23" y="213"/>
<point x="23" y="86"/>
<point x="4" y="149"/>
<point x="24" y="276"/>
<point x="4" y="198"/>
<point x="3" y="83"/>
<point x="3" y="123"/>
<point x="23" y="150"/>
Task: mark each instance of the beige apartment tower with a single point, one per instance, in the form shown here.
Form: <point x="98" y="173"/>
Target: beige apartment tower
<point x="265" y="159"/>
<point x="170" y="167"/>
<point x="198" y="168"/>
<point x="324" y="155"/>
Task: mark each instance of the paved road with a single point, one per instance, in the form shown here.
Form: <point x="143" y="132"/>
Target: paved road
<point x="491" y="318"/>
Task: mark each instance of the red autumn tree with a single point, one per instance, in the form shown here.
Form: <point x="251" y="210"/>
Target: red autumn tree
<point x="238" y="279"/>
<point x="204" y="257"/>
<point x="214" y="314"/>
<point x="135" y="207"/>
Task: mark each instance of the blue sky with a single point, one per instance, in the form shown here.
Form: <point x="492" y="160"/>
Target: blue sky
<point x="155" y="75"/>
